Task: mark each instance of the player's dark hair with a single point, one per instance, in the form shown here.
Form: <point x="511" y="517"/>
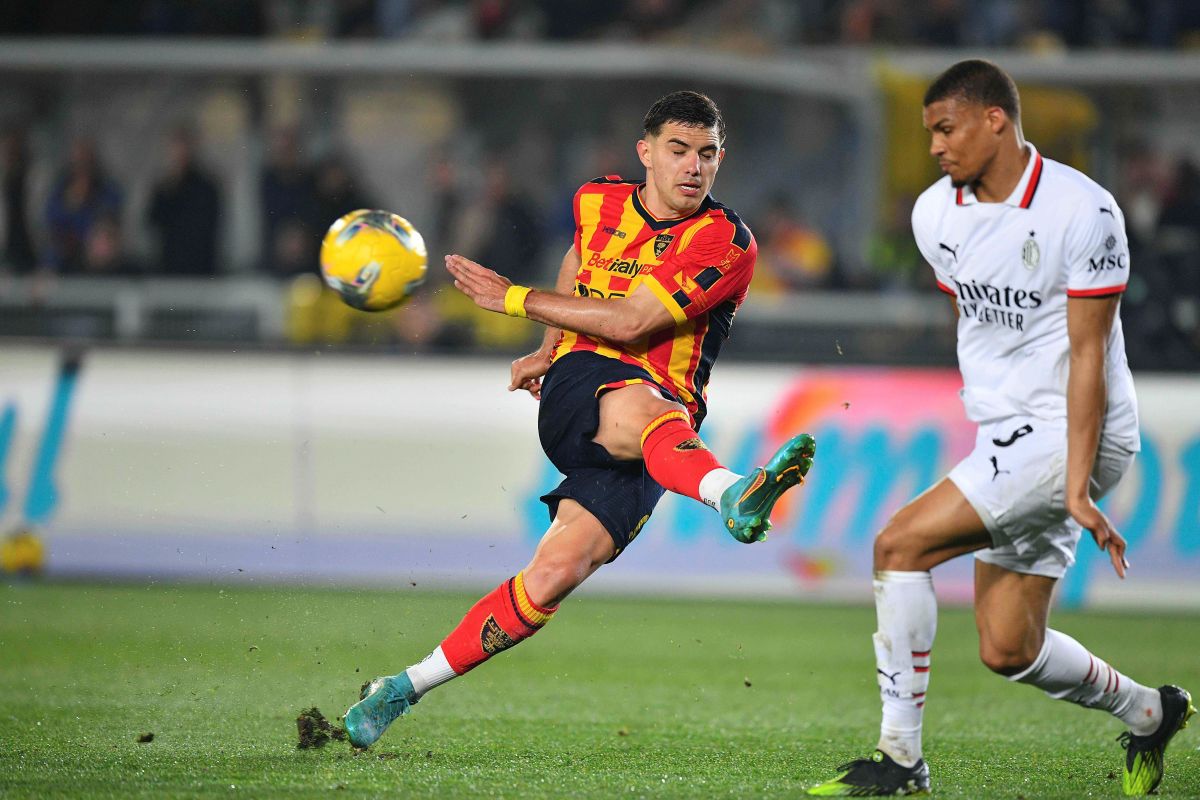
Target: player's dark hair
<point x="687" y="108"/>
<point x="977" y="81"/>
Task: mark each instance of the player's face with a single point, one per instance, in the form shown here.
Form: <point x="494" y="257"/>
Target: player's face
<point x="681" y="164"/>
<point x="963" y="137"/>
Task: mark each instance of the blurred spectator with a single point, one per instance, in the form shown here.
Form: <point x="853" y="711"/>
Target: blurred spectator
<point x="184" y="211"/>
<point x="443" y="186"/>
<point x="18" y="254"/>
<point x="292" y="250"/>
<point x="355" y="19"/>
<point x="492" y="19"/>
<point x="871" y="22"/>
<point x="104" y="252"/>
<point x="1180" y="214"/>
<point x="793" y="255"/>
<point x="79" y="198"/>
<point x="1144" y="183"/>
<point x="499" y="227"/>
<point x="566" y="20"/>
<point x="941" y="24"/>
<point x="394" y="18"/>
<point x="1178" y="242"/>
<point x="290" y="209"/>
<point x="894" y="256"/>
<point x="338" y="193"/>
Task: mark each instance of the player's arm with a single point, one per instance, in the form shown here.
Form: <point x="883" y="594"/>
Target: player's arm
<point x="527" y="371"/>
<point x="623" y="320"/>
<point x="1089" y="322"/>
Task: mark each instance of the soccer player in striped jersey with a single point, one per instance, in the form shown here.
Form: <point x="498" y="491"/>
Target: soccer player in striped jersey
<point x="1035" y="257"/>
<point x="644" y="300"/>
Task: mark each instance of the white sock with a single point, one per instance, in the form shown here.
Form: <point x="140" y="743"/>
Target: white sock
<point x="906" y="609"/>
<point x="1065" y="670"/>
<point x="433" y="671"/>
<point x="714" y="484"/>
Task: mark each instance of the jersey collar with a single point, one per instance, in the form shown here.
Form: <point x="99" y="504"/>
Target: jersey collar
<point x="1022" y="195"/>
<point x="656" y="224"/>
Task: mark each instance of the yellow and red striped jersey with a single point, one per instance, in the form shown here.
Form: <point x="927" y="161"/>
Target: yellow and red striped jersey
<point x="698" y="266"/>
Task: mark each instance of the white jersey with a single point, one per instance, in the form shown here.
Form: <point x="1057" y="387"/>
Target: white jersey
<point x="1012" y="266"/>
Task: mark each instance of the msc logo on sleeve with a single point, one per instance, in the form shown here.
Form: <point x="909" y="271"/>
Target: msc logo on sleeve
<point x="1108" y="262"/>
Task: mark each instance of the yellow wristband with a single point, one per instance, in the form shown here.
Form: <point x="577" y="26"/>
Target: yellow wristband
<point x="514" y="300"/>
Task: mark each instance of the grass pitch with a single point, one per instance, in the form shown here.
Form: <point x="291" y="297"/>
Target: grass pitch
<point x="629" y="697"/>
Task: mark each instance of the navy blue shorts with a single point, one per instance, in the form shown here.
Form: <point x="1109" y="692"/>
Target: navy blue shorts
<point x="621" y="494"/>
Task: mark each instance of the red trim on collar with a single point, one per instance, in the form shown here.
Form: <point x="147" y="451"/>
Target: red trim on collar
<point x="958" y="197"/>
<point x="945" y="289"/>
<point x="1034" y="179"/>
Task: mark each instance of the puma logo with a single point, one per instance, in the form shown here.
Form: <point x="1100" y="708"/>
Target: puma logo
<point x="891" y="677"/>
<point x="996" y="466"/>
<point x="1108" y="211"/>
<point x="951" y="250"/>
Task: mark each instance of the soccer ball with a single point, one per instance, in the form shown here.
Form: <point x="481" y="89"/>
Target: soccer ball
<point x="373" y="259"/>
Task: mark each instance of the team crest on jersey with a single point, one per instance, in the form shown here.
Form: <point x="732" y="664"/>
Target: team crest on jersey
<point x="1031" y="254"/>
<point x="662" y="242"/>
<point x="1110" y="242"/>
<point x="493" y="638"/>
<point x="691" y="444"/>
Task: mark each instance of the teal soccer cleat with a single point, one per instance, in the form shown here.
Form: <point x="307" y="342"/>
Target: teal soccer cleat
<point x="746" y="506"/>
<point x="383" y="700"/>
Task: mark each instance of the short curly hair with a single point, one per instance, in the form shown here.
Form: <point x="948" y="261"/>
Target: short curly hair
<point x="977" y="81"/>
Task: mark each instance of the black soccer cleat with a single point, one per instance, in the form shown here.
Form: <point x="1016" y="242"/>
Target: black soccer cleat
<point x="1144" y="754"/>
<point x="875" y="776"/>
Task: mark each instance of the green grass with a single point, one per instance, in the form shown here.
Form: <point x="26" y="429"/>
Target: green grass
<point x="628" y="697"/>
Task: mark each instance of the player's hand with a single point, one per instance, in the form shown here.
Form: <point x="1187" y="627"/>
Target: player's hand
<point x="484" y="286"/>
<point x="527" y="372"/>
<point x="1096" y="523"/>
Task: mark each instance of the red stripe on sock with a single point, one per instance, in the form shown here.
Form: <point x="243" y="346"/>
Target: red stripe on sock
<point x="1091" y="666"/>
<point x="920" y="669"/>
<point x="921" y="653"/>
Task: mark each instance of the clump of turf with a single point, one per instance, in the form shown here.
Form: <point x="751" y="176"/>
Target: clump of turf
<point x="315" y="730"/>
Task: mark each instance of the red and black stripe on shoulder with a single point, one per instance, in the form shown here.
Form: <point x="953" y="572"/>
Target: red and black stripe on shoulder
<point x="741" y="232"/>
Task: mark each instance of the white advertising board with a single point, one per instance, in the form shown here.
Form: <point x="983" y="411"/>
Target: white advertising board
<point x="268" y="467"/>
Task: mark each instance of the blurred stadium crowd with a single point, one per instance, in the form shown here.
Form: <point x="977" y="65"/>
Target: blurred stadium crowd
<point x="148" y="177"/>
<point x="753" y="24"/>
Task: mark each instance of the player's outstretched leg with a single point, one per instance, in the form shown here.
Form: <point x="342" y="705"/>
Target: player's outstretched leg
<point x="1144" y="754"/>
<point x="746" y="505"/>
<point x="501" y="619"/>
<point x="1066" y="670"/>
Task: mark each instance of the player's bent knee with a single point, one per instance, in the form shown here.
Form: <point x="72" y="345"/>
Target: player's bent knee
<point x="1006" y="660"/>
<point x="549" y="580"/>
<point x="893" y="549"/>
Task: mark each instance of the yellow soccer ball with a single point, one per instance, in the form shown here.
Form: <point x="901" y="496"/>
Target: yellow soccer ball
<point x="373" y="259"/>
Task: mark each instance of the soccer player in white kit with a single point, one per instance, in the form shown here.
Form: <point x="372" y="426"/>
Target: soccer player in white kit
<point x="1035" y="256"/>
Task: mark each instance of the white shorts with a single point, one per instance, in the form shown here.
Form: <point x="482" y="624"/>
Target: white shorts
<point x="1016" y="480"/>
